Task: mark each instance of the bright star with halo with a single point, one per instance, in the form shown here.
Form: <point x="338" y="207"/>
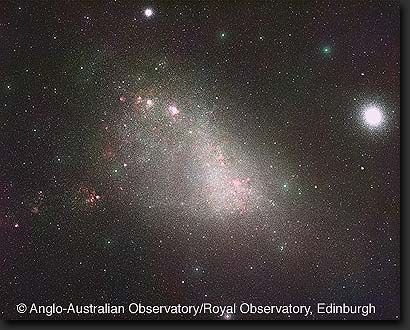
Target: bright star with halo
<point x="148" y="12"/>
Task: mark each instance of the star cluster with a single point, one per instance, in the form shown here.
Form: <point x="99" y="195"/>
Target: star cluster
<point x="196" y="151"/>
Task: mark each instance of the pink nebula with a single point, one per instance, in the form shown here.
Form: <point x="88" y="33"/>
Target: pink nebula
<point x="173" y="110"/>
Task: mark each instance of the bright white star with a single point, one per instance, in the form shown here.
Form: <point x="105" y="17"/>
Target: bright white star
<point x="148" y="12"/>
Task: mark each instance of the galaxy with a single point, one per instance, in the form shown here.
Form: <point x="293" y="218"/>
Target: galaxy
<point x="200" y="160"/>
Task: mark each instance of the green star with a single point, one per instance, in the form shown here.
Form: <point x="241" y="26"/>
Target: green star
<point x="326" y="50"/>
<point x="285" y="186"/>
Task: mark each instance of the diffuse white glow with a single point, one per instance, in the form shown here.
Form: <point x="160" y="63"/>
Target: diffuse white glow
<point x="373" y="116"/>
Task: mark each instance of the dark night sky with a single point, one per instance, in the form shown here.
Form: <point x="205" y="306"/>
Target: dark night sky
<point x="214" y="151"/>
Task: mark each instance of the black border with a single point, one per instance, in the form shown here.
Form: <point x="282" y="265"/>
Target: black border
<point x="403" y="323"/>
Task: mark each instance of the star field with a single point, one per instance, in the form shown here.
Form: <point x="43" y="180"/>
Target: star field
<point x="187" y="152"/>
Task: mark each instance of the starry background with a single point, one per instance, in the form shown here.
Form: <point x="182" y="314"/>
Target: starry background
<point x="200" y="152"/>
